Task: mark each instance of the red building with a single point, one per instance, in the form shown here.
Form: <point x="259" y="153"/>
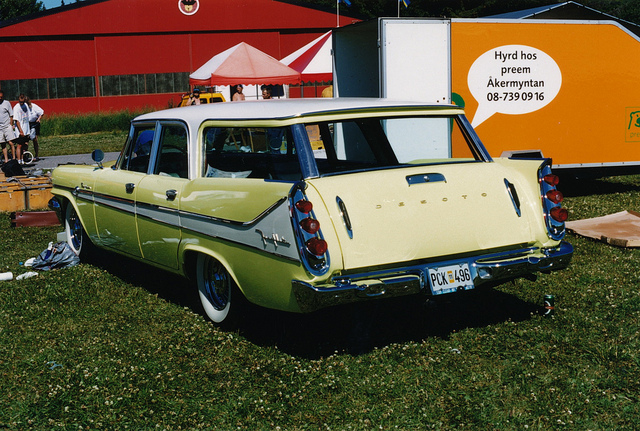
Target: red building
<point x="100" y="55"/>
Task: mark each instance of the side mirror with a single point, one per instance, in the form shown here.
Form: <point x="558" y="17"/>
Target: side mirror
<point x="98" y="156"/>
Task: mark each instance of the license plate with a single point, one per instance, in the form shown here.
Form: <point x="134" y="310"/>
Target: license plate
<point x="446" y="279"/>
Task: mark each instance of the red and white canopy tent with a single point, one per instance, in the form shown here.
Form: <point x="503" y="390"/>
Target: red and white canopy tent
<point x="313" y="60"/>
<point x="243" y="64"/>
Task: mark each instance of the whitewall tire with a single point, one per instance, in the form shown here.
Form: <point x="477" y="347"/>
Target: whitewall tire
<point x="218" y="293"/>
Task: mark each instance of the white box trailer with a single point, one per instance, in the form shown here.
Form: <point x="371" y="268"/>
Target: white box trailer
<point x="565" y="90"/>
<point x="407" y="59"/>
<point x="379" y="59"/>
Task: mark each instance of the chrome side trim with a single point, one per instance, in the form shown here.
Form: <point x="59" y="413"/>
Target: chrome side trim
<point x="77" y="192"/>
<point x="160" y="214"/>
<point x="346" y="222"/>
<point x="268" y="232"/>
<point x="124" y="205"/>
<point x="513" y="194"/>
<point x="488" y="269"/>
<point x="249" y="223"/>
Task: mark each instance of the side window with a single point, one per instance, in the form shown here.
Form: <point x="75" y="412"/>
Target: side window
<point x="138" y="149"/>
<point x="250" y="152"/>
<point x="173" y="157"/>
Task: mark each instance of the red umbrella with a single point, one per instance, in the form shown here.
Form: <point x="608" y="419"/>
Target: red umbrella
<point x="243" y="64"/>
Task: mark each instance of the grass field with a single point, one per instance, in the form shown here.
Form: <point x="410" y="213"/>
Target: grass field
<point x="80" y="134"/>
<point x="112" y="344"/>
<point x="63" y="145"/>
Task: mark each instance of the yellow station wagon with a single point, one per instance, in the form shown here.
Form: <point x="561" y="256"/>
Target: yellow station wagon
<point x="398" y="198"/>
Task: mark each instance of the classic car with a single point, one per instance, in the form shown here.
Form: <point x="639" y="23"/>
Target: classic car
<point x="302" y="204"/>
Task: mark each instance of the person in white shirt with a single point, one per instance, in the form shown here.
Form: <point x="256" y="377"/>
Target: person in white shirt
<point x="21" y="117"/>
<point x="35" y="114"/>
<point x="6" y="127"/>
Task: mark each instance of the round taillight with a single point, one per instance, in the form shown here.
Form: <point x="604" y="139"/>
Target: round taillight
<point x="317" y="246"/>
<point x="551" y="179"/>
<point x="310" y="225"/>
<point x="304" y="206"/>
<point x="555" y="196"/>
<point x="559" y="214"/>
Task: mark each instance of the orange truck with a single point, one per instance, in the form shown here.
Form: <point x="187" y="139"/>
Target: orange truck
<point x="565" y="90"/>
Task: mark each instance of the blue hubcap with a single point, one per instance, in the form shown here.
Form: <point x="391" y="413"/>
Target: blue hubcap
<point x="216" y="284"/>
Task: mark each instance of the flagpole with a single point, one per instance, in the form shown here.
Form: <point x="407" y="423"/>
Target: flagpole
<point x="398" y="8"/>
<point x="348" y="3"/>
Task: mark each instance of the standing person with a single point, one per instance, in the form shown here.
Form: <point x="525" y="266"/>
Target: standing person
<point x="6" y="127"/>
<point x="238" y="96"/>
<point x="194" y="99"/>
<point x="35" y="114"/>
<point x="21" y="116"/>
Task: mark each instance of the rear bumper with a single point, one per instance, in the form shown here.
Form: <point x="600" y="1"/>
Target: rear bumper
<point x="490" y="269"/>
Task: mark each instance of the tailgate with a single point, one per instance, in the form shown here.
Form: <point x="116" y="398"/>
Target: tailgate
<point x="406" y="214"/>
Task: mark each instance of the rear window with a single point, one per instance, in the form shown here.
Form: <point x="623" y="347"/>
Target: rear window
<point x="250" y="152"/>
<point x="378" y="143"/>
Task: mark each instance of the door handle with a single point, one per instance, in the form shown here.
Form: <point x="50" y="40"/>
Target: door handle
<point x="425" y="178"/>
<point x="171" y="194"/>
<point x="129" y="187"/>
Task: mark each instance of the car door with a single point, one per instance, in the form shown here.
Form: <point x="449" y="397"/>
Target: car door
<point x="115" y="192"/>
<point x="158" y="196"/>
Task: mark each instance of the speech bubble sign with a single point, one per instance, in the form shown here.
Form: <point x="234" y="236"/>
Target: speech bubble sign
<point x="512" y="79"/>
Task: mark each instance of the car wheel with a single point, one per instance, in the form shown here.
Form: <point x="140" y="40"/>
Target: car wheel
<point x="219" y="295"/>
<point x="76" y="237"/>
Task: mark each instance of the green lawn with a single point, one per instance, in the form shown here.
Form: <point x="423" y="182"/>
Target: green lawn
<point x="114" y="344"/>
<point x="80" y="144"/>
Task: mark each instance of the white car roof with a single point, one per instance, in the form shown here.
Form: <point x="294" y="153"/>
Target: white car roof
<point x="282" y="108"/>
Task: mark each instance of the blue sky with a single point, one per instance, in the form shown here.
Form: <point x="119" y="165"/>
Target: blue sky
<point x="54" y="3"/>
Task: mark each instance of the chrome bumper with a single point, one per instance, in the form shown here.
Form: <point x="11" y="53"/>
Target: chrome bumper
<point x="490" y="269"/>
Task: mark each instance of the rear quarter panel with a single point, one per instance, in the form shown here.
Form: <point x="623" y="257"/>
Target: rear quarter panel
<point x="246" y="225"/>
